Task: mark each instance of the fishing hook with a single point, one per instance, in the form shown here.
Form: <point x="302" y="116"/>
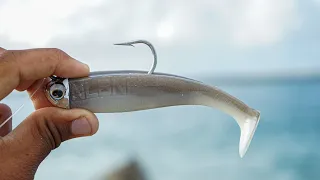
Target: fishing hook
<point x="154" y="65"/>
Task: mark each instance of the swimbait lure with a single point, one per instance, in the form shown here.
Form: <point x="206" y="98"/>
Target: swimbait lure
<point x="124" y="91"/>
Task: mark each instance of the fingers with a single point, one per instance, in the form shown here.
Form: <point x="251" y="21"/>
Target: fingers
<point x="23" y="67"/>
<point x="45" y="130"/>
<point x="50" y="126"/>
<point x="24" y="85"/>
<point x="39" y="98"/>
<point x="5" y="112"/>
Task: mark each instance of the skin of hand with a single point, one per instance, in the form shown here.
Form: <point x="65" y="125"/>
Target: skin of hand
<point x="23" y="149"/>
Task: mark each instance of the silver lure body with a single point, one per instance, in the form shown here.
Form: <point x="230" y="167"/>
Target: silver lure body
<point x="125" y="91"/>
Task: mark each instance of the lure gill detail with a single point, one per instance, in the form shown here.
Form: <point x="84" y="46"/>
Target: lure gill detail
<point x="131" y="90"/>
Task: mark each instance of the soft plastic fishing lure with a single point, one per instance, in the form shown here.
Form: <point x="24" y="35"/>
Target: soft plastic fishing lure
<point x="124" y="91"/>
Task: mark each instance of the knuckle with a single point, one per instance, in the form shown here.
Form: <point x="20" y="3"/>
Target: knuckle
<point x="51" y="134"/>
<point x="58" y="53"/>
<point x="48" y="133"/>
<point x="10" y="57"/>
<point x="8" y="60"/>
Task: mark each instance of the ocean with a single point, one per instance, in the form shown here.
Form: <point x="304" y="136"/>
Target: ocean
<point x="195" y="142"/>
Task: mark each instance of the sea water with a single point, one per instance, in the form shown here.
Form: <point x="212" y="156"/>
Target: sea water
<point x="195" y="142"/>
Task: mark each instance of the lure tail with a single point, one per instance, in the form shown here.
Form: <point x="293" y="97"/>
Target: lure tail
<point x="248" y="127"/>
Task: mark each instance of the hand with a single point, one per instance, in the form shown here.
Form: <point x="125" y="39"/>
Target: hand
<point x="23" y="149"/>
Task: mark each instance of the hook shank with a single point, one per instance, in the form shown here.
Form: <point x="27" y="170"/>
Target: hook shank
<point x="154" y="65"/>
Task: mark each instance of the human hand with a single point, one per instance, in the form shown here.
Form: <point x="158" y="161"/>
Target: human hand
<point x="24" y="148"/>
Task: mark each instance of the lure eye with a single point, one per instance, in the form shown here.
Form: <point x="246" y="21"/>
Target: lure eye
<point x="57" y="91"/>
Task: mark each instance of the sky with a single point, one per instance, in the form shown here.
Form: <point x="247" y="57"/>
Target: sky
<point x="203" y="37"/>
<point x="210" y="37"/>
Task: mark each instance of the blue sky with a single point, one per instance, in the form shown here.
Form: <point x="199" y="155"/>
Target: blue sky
<point x="192" y="37"/>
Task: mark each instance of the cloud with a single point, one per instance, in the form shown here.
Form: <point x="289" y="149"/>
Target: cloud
<point x="37" y="21"/>
<point x="191" y="37"/>
<point x="259" y="22"/>
<point x="246" y="22"/>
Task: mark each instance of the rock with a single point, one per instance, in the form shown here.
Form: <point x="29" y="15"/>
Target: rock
<point x="131" y="171"/>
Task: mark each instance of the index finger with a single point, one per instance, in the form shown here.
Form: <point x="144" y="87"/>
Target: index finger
<point x="18" y="66"/>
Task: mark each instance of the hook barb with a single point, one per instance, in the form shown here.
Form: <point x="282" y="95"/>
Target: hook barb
<point x="154" y="65"/>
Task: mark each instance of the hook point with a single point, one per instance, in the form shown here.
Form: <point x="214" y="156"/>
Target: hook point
<point x="124" y="44"/>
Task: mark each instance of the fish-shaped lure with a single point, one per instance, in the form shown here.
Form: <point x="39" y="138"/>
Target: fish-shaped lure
<point x="124" y="91"/>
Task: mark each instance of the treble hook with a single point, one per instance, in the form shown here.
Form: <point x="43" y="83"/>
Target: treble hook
<point x="154" y="65"/>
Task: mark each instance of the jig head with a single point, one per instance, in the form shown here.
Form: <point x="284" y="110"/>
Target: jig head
<point x="57" y="92"/>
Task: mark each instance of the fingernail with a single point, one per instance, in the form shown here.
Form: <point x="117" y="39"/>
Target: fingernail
<point x="81" y="127"/>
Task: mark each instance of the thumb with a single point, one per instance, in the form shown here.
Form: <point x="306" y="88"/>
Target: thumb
<point x="44" y="130"/>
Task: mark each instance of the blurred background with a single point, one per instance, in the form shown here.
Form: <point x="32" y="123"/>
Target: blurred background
<point x="265" y="52"/>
